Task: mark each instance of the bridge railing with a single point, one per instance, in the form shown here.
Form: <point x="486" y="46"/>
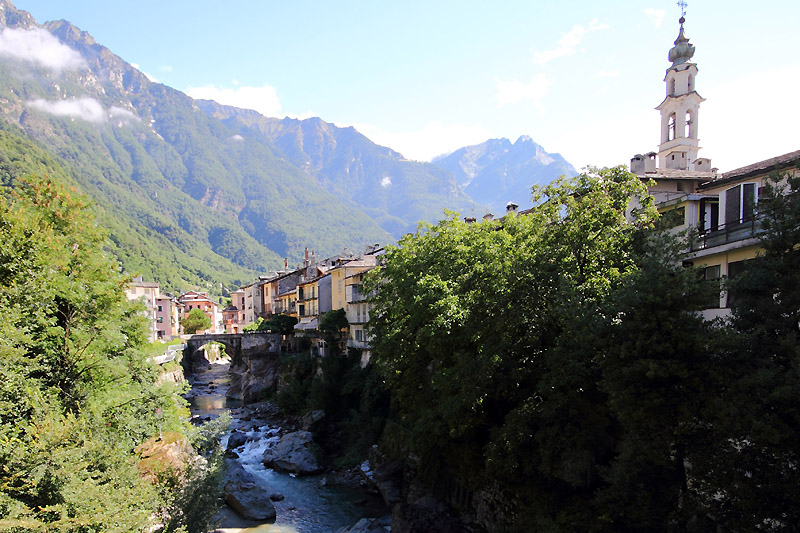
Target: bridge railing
<point x="169" y="355"/>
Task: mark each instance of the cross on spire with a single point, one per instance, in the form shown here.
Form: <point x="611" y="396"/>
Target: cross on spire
<point x="682" y="4"/>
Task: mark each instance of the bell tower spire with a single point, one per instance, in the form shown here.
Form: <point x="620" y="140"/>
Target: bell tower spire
<point x="680" y="109"/>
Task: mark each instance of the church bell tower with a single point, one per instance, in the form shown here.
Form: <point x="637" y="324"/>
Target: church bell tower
<point x="679" y="110"/>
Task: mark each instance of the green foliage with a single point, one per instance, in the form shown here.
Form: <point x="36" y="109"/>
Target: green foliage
<point x="758" y="413"/>
<point x="282" y="324"/>
<point x="487" y="334"/>
<point x="76" y="392"/>
<point x="274" y="325"/>
<point x="195" y="320"/>
<point x="562" y="355"/>
<point x="332" y="324"/>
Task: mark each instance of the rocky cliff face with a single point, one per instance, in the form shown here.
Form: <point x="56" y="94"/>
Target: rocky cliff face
<point x="255" y="369"/>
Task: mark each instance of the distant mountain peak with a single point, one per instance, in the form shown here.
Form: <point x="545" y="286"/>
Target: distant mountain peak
<point x="497" y="171"/>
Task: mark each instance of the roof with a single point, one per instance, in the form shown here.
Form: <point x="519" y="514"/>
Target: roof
<point x="675" y="174"/>
<point x="780" y="162"/>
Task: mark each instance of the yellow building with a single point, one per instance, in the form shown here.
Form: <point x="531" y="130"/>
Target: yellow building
<point x="339" y="277"/>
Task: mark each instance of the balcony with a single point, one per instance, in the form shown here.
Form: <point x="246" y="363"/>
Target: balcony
<point x="361" y="345"/>
<point x="726" y="234"/>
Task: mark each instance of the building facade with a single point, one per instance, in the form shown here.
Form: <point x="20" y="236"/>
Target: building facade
<point x="720" y="209"/>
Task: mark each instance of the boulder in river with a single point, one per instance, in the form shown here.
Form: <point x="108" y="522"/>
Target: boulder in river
<point x="294" y="453"/>
<point x="236" y="439"/>
<point x="244" y="496"/>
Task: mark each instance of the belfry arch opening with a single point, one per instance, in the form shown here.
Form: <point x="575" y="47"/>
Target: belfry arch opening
<point x="687" y="128"/>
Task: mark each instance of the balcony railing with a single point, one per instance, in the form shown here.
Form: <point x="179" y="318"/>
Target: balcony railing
<point x="362" y="345"/>
<point x="727" y="233"/>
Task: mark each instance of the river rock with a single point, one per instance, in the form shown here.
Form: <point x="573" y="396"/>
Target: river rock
<point x="369" y="525"/>
<point x="276" y="497"/>
<point x="311" y="420"/>
<point x="294" y="453"/>
<point x="244" y="496"/>
<point x="383" y="475"/>
<point x="236" y="439"/>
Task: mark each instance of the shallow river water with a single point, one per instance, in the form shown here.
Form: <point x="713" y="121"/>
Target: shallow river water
<point x="310" y="504"/>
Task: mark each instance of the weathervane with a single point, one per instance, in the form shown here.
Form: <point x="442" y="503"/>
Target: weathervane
<point x="682" y="4"/>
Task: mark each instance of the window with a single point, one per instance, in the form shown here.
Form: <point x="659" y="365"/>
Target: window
<point x="687" y="129"/>
<point x="691" y="83"/>
<point x="740" y="202"/>
<point x="675" y="217"/>
<point x="359" y="335"/>
<point x="160" y="319"/>
<point x="672" y="87"/>
<point x="671" y="128"/>
<point x="735" y="269"/>
<point x="712" y="276"/>
<point x="159" y="308"/>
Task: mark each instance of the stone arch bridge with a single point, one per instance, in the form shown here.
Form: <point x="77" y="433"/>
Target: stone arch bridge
<point x="254" y="360"/>
<point x="237" y="345"/>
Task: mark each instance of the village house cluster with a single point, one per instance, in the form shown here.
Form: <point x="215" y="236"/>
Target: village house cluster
<point x="306" y="292"/>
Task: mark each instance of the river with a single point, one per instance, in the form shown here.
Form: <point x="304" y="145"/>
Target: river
<point x="311" y="503"/>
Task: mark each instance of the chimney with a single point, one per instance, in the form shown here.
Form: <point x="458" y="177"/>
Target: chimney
<point x="305" y="260"/>
<point x="511" y="207"/>
<point x="488" y="216"/>
<point x="286" y="263"/>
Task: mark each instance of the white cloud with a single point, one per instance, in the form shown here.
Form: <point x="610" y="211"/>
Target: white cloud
<point x="40" y="47"/>
<point x="263" y="99"/>
<point x="656" y="15"/>
<point x="424" y="144"/>
<point x="386" y="182"/>
<point x="568" y="43"/>
<point x="515" y="91"/>
<point x="237" y="138"/>
<point x="119" y="112"/>
<point x="85" y="108"/>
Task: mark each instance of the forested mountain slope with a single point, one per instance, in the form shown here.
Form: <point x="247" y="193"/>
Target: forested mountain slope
<point x="186" y="200"/>
<point x="393" y="190"/>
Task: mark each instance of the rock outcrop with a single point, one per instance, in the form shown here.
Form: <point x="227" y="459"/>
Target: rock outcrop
<point x="294" y="453"/>
<point x="243" y="495"/>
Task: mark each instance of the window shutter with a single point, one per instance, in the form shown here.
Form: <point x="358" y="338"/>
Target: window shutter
<point x="733" y="205"/>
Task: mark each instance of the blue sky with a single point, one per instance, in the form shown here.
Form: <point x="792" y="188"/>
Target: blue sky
<point x="580" y="77"/>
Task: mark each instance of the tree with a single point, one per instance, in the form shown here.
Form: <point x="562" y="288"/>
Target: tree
<point x="332" y="325"/>
<point x="755" y="468"/>
<point x="485" y="334"/>
<point x="196" y="320"/>
<point x="76" y="393"/>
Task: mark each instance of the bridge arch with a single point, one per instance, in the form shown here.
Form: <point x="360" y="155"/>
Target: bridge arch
<point x="236" y="345"/>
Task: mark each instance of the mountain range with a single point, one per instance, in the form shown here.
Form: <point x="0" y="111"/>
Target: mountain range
<point x="498" y="172"/>
<point x="197" y="194"/>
